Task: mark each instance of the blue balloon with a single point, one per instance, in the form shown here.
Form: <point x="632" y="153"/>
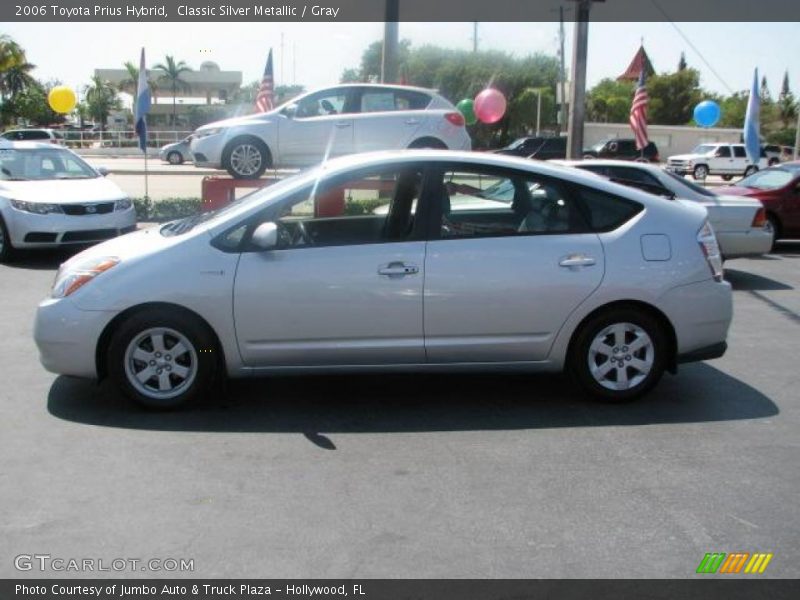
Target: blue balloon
<point x="707" y="113"/>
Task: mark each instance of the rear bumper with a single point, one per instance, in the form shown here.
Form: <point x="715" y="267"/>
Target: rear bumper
<point x="705" y="353"/>
<point x="700" y="313"/>
<point x="735" y="244"/>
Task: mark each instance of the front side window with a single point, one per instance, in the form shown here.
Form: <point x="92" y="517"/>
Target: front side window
<point x="723" y="152"/>
<point x="476" y="203"/>
<point x="322" y="104"/>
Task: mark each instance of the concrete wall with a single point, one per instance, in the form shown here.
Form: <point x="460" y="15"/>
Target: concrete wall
<point x="670" y="139"/>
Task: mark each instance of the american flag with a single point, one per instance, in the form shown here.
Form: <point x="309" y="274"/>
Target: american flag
<point x="638" y="118"/>
<point x="265" y="99"/>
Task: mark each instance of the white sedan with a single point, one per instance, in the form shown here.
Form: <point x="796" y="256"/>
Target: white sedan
<point x="49" y="196"/>
<point x="574" y="273"/>
<point x="741" y="224"/>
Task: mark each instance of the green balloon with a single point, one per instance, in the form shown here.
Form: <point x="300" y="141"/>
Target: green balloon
<point x="467" y="108"/>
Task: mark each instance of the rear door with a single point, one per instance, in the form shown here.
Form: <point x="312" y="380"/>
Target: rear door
<point x="503" y="272"/>
<point x="388" y="118"/>
<point x="722" y="161"/>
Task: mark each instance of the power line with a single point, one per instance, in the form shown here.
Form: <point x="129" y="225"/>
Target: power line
<point x="692" y="46"/>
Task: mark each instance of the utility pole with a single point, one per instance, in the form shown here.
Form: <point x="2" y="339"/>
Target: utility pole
<point x="475" y="36"/>
<point x="562" y="109"/>
<point x="577" y="103"/>
<point x="283" y="76"/>
<point x="391" y="43"/>
<point x="797" y="136"/>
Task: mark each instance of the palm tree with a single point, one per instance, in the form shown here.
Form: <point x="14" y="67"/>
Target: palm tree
<point x="171" y="74"/>
<point x="15" y="70"/>
<point x="101" y="99"/>
<point x="131" y="82"/>
<point x="10" y="53"/>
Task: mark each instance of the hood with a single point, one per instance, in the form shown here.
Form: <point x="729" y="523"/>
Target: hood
<point x="62" y="191"/>
<point x="685" y="156"/>
<point x="239" y="121"/>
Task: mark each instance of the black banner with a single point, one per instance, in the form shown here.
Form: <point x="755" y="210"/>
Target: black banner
<point x="409" y="10"/>
<point x="731" y="588"/>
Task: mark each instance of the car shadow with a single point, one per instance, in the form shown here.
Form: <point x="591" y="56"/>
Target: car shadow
<point x="787" y="248"/>
<point x="746" y="281"/>
<point x="315" y="405"/>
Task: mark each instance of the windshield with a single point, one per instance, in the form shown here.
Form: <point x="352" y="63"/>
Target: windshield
<point x="767" y="180"/>
<point x="38" y="164"/>
<point x="259" y="196"/>
<point x="690" y="184"/>
<point x="703" y="149"/>
<point x="598" y="146"/>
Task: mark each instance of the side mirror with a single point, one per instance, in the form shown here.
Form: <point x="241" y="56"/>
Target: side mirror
<point x="290" y="111"/>
<point x="102" y="170"/>
<point x="265" y="237"/>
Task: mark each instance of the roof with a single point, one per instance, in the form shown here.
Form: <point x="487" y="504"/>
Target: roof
<point x="640" y="62"/>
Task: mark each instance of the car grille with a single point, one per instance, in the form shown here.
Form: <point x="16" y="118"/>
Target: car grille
<point x="91" y="235"/>
<point x="677" y="163"/>
<point x="77" y="210"/>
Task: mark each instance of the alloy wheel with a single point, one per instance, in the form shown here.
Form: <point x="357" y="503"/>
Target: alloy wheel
<point x="160" y="363"/>
<point x="246" y="159"/>
<point x="621" y="356"/>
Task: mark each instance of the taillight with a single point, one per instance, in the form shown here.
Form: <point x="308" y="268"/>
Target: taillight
<point x="760" y="218"/>
<point x="456" y="118"/>
<point x="710" y="248"/>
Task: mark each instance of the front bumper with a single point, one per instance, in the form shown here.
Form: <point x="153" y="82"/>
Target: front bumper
<point x="207" y="151"/>
<point x="29" y="230"/>
<point x="683" y="169"/>
<point x="67" y="337"/>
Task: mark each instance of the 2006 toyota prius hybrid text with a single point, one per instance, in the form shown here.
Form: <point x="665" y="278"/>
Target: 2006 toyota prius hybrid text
<point x="403" y="261"/>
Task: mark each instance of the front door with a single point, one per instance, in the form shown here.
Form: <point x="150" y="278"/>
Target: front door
<point x="514" y="258"/>
<point x="344" y="285"/>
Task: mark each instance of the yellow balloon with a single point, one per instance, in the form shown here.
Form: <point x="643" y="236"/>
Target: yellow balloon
<point x="62" y="99"/>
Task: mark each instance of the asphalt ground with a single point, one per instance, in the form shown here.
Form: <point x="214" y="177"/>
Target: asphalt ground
<point x="482" y="476"/>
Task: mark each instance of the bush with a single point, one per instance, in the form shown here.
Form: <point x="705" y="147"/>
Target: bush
<point x="165" y="210"/>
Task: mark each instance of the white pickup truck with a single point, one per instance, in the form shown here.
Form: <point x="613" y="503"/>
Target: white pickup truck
<point x="727" y="160"/>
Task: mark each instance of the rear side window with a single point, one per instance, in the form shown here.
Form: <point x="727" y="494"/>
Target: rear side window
<point x="411" y="100"/>
<point x="34" y="135"/>
<point x="739" y="152"/>
<point x="606" y="212"/>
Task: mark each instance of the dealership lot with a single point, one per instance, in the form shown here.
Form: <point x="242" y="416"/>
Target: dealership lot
<point x="414" y="476"/>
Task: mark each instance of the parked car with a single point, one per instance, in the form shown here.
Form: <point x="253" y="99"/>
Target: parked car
<point x="741" y="224"/>
<point x="623" y="149"/>
<point x="726" y="160"/>
<point x="778" y="154"/>
<point x="540" y="148"/>
<point x="607" y="282"/>
<point x="49" y="196"/>
<point x="331" y="122"/>
<point x="778" y="188"/>
<point x="177" y="152"/>
<point x="33" y="135"/>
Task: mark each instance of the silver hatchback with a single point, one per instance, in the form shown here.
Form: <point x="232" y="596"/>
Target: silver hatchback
<point x="399" y="261"/>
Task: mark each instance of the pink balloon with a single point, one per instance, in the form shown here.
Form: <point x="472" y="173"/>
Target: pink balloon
<point x="490" y="105"/>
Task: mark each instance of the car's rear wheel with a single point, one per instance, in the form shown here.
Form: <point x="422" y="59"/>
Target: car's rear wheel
<point x="6" y="249"/>
<point x="700" y="172"/>
<point x="750" y="170"/>
<point x="619" y="355"/>
<point x="428" y="142"/>
<point x="773" y="225"/>
<point x="163" y="358"/>
<point x="246" y="158"/>
<point x="175" y="158"/>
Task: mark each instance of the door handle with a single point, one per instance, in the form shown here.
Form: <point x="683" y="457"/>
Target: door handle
<point x="576" y="260"/>
<point x="343" y="124"/>
<point x="412" y="121"/>
<point x="398" y="269"/>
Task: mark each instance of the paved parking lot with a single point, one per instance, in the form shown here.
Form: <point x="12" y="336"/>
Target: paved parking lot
<point x="414" y="476"/>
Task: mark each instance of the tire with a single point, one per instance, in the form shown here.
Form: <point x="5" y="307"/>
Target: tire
<point x="588" y="156"/>
<point x="775" y="225"/>
<point x="246" y="158"/>
<point x="700" y="172"/>
<point x="175" y="158"/>
<point x="750" y="170"/>
<point x="773" y="161"/>
<point x="614" y="330"/>
<point x="6" y="249"/>
<point x="641" y="159"/>
<point x="726" y="177"/>
<point x="430" y="143"/>
<point x="136" y="342"/>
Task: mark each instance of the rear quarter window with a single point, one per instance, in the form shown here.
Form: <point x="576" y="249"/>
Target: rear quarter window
<point x="604" y="211"/>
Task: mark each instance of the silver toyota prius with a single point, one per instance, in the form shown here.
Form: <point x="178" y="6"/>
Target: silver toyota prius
<point x="416" y="260"/>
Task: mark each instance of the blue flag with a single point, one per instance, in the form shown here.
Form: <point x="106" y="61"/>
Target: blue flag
<point x="752" y="141"/>
<point x="141" y="105"/>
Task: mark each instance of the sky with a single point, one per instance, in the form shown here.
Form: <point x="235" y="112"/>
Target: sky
<point x="315" y="54"/>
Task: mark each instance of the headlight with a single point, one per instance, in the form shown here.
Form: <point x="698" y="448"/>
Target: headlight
<point x="122" y="204"/>
<point x="208" y="132"/>
<point x="39" y="208"/>
<point x="76" y="276"/>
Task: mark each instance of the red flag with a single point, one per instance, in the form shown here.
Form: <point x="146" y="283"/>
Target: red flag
<point x="265" y="99"/>
<point x="638" y="117"/>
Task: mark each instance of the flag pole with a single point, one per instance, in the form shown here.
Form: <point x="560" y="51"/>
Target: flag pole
<point x="146" y="186"/>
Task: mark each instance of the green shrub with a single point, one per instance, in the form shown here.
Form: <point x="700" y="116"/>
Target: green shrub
<point x="165" y="210"/>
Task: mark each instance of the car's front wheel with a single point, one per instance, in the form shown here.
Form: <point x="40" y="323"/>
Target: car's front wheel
<point x="163" y="358"/>
<point x="6" y="249"/>
<point x="246" y="158"/>
<point x="700" y="172"/>
<point x="175" y="158"/>
<point x="727" y="177"/>
<point x="619" y="354"/>
<point x="750" y="170"/>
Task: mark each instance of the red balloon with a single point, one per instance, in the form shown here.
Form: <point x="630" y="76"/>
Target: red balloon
<point x="490" y="105"/>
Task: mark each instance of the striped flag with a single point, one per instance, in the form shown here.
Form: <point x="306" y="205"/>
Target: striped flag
<point x="752" y="140"/>
<point x="638" y="118"/>
<point x="265" y="99"/>
<point x="142" y="105"/>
